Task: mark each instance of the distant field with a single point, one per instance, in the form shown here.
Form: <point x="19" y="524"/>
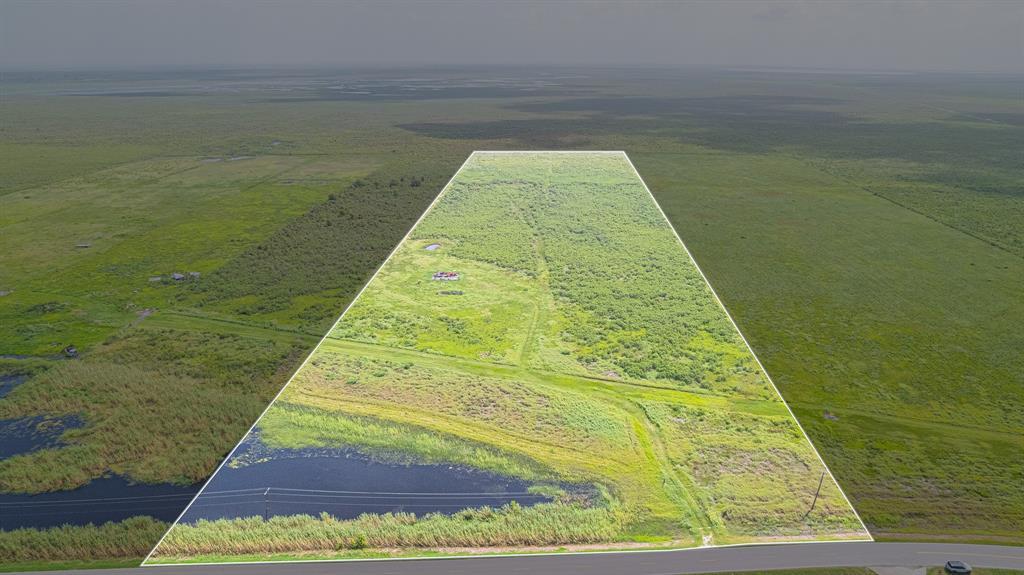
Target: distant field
<point x="865" y="232"/>
<point x="900" y="341"/>
<point x="259" y="231"/>
<point x="577" y="347"/>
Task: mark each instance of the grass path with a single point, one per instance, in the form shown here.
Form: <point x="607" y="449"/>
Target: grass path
<point x="543" y="292"/>
<point x="577" y="382"/>
<point x="539" y="316"/>
<point x="212" y="324"/>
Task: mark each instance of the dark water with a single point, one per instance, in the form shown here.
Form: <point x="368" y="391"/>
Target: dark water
<point x="346" y="484"/>
<point x="27" y="434"/>
<point x="9" y="382"/>
<point x="108" y="499"/>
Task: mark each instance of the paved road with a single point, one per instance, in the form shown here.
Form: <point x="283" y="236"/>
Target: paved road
<point x="802" y="555"/>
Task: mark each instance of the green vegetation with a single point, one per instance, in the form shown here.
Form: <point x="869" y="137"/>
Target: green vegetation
<point x="171" y="373"/>
<point x="864" y="231"/>
<point x="225" y="341"/>
<point x="64" y="565"/>
<point x="855" y="337"/>
<point x="865" y="234"/>
<point x="158" y="404"/>
<point x="84" y="546"/>
<point x="297" y="426"/>
<point x="619" y="370"/>
<point x="510" y="525"/>
<point x="301" y="260"/>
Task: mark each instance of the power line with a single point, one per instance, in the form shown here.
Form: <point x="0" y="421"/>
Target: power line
<point x="92" y="501"/>
<point x="405" y="492"/>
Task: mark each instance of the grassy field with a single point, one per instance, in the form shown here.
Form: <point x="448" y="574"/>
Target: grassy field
<point x="579" y="346"/>
<point x="832" y="330"/>
<point x="865" y="232"/>
<point x="225" y="340"/>
<point x="283" y="231"/>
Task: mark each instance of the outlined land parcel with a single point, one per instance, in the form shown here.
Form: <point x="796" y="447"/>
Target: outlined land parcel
<point x="542" y="339"/>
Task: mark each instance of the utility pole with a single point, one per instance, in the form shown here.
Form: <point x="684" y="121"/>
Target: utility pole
<point x="266" y="503"/>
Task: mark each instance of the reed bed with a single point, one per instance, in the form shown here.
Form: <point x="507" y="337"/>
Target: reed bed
<point x="509" y="525"/>
<point x="132" y="537"/>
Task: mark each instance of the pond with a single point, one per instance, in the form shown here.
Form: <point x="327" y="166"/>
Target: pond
<point x="346" y="484"/>
<point x="111" y="498"/>
<point x="9" y="382"/>
<point x="27" y="434"/>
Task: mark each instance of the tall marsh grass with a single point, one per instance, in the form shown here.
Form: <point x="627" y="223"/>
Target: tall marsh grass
<point x="130" y="538"/>
<point x="296" y="426"/>
<point x="509" y="525"/>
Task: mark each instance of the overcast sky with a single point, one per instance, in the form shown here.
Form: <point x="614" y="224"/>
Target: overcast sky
<point x="919" y="35"/>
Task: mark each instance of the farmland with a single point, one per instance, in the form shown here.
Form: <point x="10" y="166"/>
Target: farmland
<point x="863" y="230"/>
<point x="582" y="349"/>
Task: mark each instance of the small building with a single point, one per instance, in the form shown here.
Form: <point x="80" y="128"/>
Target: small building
<point x="156" y="278"/>
<point x="432" y="247"/>
<point x="193" y="274"/>
<point x="177" y="277"/>
<point x="446" y="276"/>
<point x="70" y="351"/>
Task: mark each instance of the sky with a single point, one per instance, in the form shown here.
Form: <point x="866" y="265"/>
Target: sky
<point x="966" y="35"/>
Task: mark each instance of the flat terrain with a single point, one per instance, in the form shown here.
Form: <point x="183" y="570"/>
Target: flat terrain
<point x="555" y="331"/>
<point x="864" y="231"/>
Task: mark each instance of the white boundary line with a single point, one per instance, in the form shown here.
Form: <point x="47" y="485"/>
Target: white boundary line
<point x="308" y="357"/>
<point x="377" y="271"/>
<point x="750" y="349"/>
<point x="528" y="554"/>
